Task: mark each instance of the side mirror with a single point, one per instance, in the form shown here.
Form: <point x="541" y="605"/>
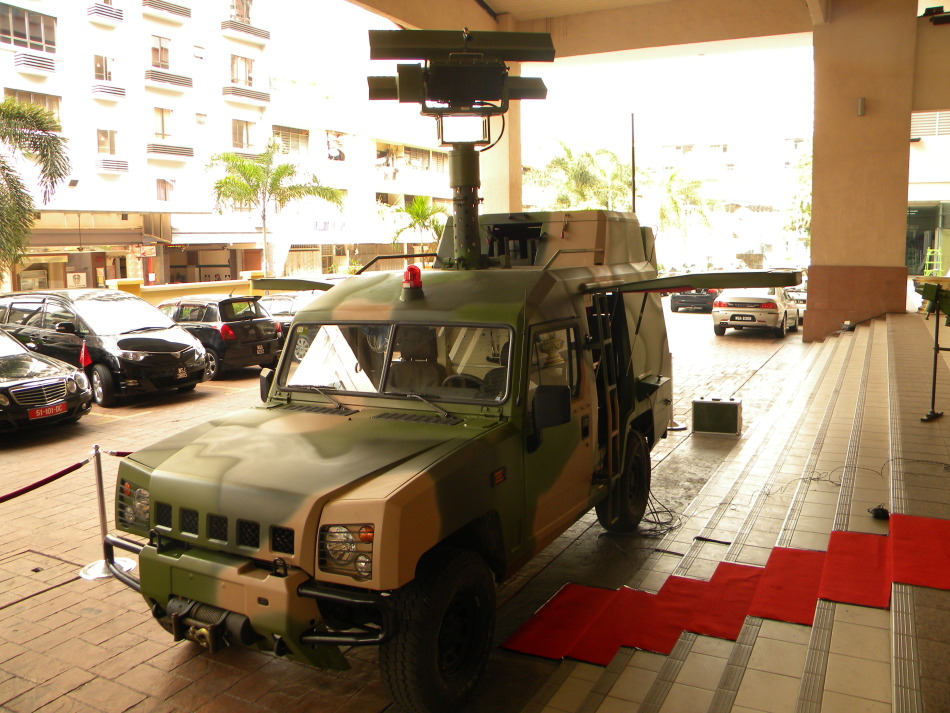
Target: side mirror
<point x="267" y="380"/>
<point x="66" y="327"/>
<point x="551" y="406"/>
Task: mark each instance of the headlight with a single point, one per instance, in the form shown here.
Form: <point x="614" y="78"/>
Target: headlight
<point x="347" y="549"/>
<point x="4" y="400"/>
<point x="133" y="504"/>
<point x="82" y="381"/>
<point x="132" y="356"/>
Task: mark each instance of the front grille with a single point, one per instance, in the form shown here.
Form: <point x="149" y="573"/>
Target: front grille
<point x="248" y="533"/>
<point x="189" y="521"/>
<point x="163" y="515"/>
<point x="45" y="392"/>
<point x="217" y="528"/>
<point x="282" y="540"/>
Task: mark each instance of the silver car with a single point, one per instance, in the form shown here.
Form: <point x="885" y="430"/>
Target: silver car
<point x="764" y="308"/>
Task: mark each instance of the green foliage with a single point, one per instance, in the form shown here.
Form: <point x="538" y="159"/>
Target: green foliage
<point x="424" y="218"/>
<point x="679" y="201"/>
<point x="32" y="132"/>
<point x="257" y="183"/>
<point x="585" y="180"/>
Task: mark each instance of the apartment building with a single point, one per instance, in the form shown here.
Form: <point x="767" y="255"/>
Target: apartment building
<point x="147" y="92"/>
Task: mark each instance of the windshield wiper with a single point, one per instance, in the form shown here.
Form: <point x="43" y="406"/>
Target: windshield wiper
<point x="143" y="329"/>
<point x="320" y="390"/>
<point x="424" y="398"/>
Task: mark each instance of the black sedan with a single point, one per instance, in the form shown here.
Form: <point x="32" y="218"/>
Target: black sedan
<point x="693" y="299"/>
<point x="37" y="389"/>
<point x="234" y="329"/>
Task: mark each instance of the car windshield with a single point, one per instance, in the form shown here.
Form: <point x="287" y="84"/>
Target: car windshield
<point x="439" y="362"/>
<point x="120" y="313"/>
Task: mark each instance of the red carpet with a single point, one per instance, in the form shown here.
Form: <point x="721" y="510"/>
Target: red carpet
<point x="591" y="624"/>
<point x="788" y="588"/>
<point x="722" y="609"/>
<point x="857" y="570"/>
<point x="921" y="551"/>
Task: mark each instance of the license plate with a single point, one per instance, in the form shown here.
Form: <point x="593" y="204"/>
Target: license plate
<point x="259" y="348"/>
<point x="182" y="373"/>
<point x="46" y="411"/>
<point x="743" y="318"/>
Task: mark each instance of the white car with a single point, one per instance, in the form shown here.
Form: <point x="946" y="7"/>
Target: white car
<point x="801" y="297"/>
<point x="766" y="307"/>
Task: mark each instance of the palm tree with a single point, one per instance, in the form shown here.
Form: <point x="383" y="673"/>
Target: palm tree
<point x="586" y="180"/>
<point x="256" y="183"/>
<point x="32" y="132"/>
<point x="423" y="218"/>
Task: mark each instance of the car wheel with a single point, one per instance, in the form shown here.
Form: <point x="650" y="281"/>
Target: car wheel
<point x="443" y="636"/>
<point x="674" y="308"/>
<point x="214" y="364"/>
<point x="630" y="500"/>
<point x="103" y="386"/>
<point x="782" y="324"/>
<point x="719" y="330"/>
<point x="301" y="345"/>
<point x="794" y="327"/>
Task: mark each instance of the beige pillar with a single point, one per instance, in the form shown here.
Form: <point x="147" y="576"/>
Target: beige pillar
<point x="864" y="76"/>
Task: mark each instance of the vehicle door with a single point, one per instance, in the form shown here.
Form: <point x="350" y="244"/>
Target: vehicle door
<point x="558" y="457"/>
<point x="62" y="332"/>
<point x="24" y="320"/>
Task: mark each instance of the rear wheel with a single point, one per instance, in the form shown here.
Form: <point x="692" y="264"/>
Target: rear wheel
<point x="301" y="345"/>
<point x="782" y="324"/>
<point x="719" y="330"/>
<point x="794" y="327"/>
<point x="103" y="386"/>
<point x="634" y="487"/>
<point x="446" y="618"/>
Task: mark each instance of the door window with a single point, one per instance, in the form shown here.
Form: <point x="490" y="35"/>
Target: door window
<point x="553" y="359"/>
<point x="56" y="313"/>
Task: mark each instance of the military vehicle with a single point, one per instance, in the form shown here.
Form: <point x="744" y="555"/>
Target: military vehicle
<point x="441" y="427"/>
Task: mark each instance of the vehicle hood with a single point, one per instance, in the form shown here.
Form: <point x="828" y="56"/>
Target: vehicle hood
<point x="165" y="340"/>
<point x="270" y="464"/>
<point x="27" y="367"/>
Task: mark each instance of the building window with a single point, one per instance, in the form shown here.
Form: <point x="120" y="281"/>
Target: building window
<point x="160" y="51"/>
<point x="242" y="71"/>
<point x="292" y="141"/>
<point x="201" y="119"/>
<point x="24" y="28"/>
<point x="241" y="11"/>
<point x="47" y="101"/>
<point x="103" y="72"/>
<point x="241" y="133"/>
<point x="106" y="139"/>
<point x="164" y="189"/>
<point x="335" y="142"/>
<point x="163" y="122"/>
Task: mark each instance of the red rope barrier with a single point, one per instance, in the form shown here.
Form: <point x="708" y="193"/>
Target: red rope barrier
<point x="45" y="481"/>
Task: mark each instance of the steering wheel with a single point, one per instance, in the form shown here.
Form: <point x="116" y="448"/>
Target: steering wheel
<point x="462" y="381"/>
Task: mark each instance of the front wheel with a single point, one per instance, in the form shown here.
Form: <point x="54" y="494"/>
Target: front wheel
<point x="630" y="502"/>
<point x="445" y="622"/>
<point x="213" y="369"/>
<point x="103" y="386"/>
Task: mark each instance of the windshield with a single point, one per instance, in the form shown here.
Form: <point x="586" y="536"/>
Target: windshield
<point x="441" y="362"/>
<point x="120" y="313"/>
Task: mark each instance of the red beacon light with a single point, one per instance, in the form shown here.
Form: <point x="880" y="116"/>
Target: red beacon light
<point x="411" y="284"/>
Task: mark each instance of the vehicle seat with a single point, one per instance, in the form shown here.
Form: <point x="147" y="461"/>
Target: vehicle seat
<point x="418" y="368"/>
<point x="493" y="385"/>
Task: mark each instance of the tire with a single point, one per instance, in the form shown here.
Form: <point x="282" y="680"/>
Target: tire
<point x="445" y="623"/>
<point x="719" y="330"/>
<point x="103" y="386"/>
<point x="214" y="364"/>
<point x="185" y="389"/>
<point x="794" y="327"/>
<point x="634" y="488"/>
<point x="780" y="329"/>
<point x="301" y="345"/>
<point x="674" y="308"/>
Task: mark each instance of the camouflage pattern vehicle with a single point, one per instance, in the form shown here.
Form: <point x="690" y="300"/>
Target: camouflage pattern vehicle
<point x="441" y="429"/>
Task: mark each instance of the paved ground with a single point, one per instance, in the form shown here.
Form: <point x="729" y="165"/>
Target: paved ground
<point x="67" y="644"/>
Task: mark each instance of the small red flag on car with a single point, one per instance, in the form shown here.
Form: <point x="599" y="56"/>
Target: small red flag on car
<point x="84" y="358"/>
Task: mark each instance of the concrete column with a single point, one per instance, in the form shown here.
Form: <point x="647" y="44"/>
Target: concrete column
<point x="864" y="79"/>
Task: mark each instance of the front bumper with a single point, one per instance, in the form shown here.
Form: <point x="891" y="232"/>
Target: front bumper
<point x="136" y="379"/>
<point x="220" y="600"/>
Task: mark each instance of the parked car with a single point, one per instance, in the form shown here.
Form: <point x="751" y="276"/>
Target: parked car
<point x="693" y="299"/>
<point x="800" y="296"/>
<point x="37" y="389"/>
<point x="124" y="344"/>
<point x="771" y="308"/>
<point x="283" y="306"/>
<point x="236" y="330"/>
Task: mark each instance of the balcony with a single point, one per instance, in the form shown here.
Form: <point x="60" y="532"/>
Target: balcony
<point x="107" y="93"/>
<point x="104" y="15"/>
<point x="34" y="65"/>
<point x="243" y="95"/>
<point x="243" y="32"/>
<point x="169" y="153"/>
<point x="165" y="11"/>
<point x="168" y="82"/>
<point x="108" y="165"/>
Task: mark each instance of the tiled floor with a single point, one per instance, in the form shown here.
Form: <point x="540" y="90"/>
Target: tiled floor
<point x="844" y="437"/>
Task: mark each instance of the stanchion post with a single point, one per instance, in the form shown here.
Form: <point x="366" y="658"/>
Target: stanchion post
<point x="100" y="568"/>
